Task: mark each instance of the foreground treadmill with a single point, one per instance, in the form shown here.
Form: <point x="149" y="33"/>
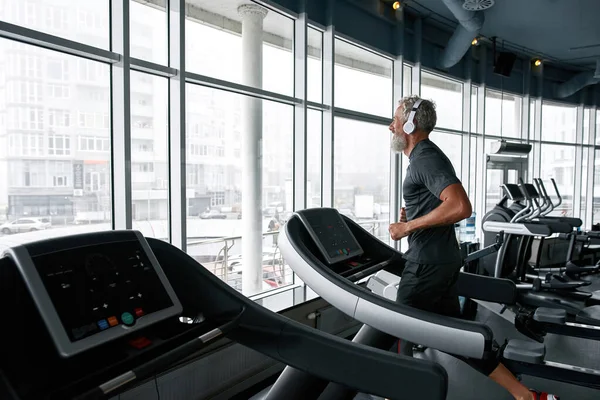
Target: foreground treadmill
<point x="88" y="316"/>
<point x="331" y="253"/>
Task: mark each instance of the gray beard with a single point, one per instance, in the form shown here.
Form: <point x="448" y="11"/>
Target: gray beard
<point x="398" y="143"/>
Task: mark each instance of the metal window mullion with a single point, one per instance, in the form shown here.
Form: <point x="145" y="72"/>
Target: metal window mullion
<point x="56" y="43"/>
<point x="328" y="115"/>
<point x="176" y="143"/>
<point x="416" y="71"/>
<point x="121" y="116"/>
<point x="481" y="174"/>
<point x="577" y="170"/>
<point x="300" y="109"/>
<point x="591" y="169"/>
<point x="396" y="177"/>
<point x="466" y="152"/>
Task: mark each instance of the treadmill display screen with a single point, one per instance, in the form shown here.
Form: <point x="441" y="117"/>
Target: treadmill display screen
<point x="512" y="191"/>
<point x="530" y="190"/>
<point x="331" y="234"/>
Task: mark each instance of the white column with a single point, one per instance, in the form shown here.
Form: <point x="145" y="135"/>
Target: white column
<point x="252" y="38"/>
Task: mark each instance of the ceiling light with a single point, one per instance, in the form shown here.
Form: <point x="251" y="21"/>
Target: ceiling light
<point x="396" y="5"/>
<point x="537" y="62"/>
<point x="475" y="41"/>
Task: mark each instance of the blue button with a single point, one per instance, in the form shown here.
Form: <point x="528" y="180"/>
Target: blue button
<point x="102" y="324"/>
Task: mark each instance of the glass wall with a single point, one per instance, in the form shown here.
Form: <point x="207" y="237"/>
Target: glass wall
<point x="361" y="160"/>
<point x="359" y="71"/>
<point x="60" y="122"/>
<point x="447" y="96"/>
<point x="502" y="114"/>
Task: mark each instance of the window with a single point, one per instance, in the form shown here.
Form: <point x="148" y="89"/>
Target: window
<point x="20" y="144"/>
<point x="586" y="126"/>
<point x="451" y="145"/>
<point x="148" y="31"/>
<point x="58" y="91"/>
<point x="150" y="180"/>
<point x="93" y="143"/>
<point x="94" y="120"/>
<point x="58" y="69"/>
<point x="59" y="145"/>
<point x="314" y="73"/>
<point x="92" y="71"/>
<point x="502" y="114"/>
<point x="447" y="96"/>
<point x="407" y="83"/>
<point x="558" y="162"/>
<point x="474" y="109"/>
<point x="314" y="158"/>
<point x="361" y="189"/>
<point x="219" y="53"/>
<point x="558" y="123"/>
<point x="218" y="181"/>
<point x="25" y="118"/>
<point x="587" y="152"/>
<point x="53" y="17"/>
<point x="56" y="19"/>
<point x="24" y="92"/>
<point x="41" y="139"/>
<point x="59" y="118"/>
<point x="359" y="71"/>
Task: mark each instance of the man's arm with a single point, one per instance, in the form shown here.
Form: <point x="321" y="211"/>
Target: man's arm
<point x="454" y="208"/>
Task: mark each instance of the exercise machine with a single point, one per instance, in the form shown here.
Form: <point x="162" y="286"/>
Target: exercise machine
<point x="336" y="257"/>
<point x="89" y="316"/>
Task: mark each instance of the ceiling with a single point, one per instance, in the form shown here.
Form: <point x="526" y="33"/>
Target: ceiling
<point x="564" y="31"/>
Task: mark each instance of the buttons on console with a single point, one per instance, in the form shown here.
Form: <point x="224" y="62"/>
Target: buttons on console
<point x="112" y="321"/>
<point x="139" y="312"/>
<point x="102" y="324"/>
<point x="127" y="318"/>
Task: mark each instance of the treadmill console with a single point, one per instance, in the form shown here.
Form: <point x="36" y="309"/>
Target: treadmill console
<point x="331" y="234"/>
<point x="529" y="191"/>
<point x="94" y="288"/>
<point x="513" y="192"/>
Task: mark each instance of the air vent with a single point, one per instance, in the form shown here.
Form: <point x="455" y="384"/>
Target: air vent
<point x="477" y="5"/>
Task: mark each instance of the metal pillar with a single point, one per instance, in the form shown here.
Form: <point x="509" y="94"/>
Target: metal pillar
<point x="252" y="38"/>
<point x="121" y="117"/>
<point x="177" y="194"/>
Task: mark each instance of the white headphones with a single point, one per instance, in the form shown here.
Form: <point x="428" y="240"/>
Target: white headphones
<point x="409" y="125"/>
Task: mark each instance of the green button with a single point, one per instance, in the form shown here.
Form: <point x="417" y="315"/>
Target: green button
<point x="127" y="318"/>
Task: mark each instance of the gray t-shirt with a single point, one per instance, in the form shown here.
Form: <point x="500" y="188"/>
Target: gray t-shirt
<point x="429" y="173"/>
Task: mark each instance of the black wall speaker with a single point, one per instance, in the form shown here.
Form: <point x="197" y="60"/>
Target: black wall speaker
<point x="504" y="63"/>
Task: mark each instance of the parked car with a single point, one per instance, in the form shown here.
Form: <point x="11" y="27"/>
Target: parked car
<point x="213" y="214"/>
<point x="24" y="225"/>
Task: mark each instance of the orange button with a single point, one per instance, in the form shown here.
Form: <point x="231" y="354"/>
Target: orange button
<point x="113" y="321"/>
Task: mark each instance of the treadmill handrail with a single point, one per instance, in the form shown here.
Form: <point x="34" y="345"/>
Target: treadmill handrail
<point x="452" y="335"/>
<point x="513" y="228"/>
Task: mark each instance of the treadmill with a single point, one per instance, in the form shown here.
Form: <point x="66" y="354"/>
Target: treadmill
<point x="89" y="316"/>
<point x="335" y="257"/>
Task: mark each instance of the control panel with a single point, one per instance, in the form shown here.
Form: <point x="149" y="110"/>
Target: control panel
<point x="95" y="291"/>
<point x="331" y="234"/>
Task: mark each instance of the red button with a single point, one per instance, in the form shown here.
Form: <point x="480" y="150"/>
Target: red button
<point x="138" y="312"/>
<point x="140" y="342"/>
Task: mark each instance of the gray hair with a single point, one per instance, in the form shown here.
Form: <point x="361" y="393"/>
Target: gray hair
<point x="425" y="117"/>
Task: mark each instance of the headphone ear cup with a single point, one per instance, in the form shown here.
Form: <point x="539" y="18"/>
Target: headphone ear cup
<point x="409" y="127"/>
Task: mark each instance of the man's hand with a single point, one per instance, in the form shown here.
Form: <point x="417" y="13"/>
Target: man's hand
<point x="399" y="230"/>
<point x="403" y="214"/>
